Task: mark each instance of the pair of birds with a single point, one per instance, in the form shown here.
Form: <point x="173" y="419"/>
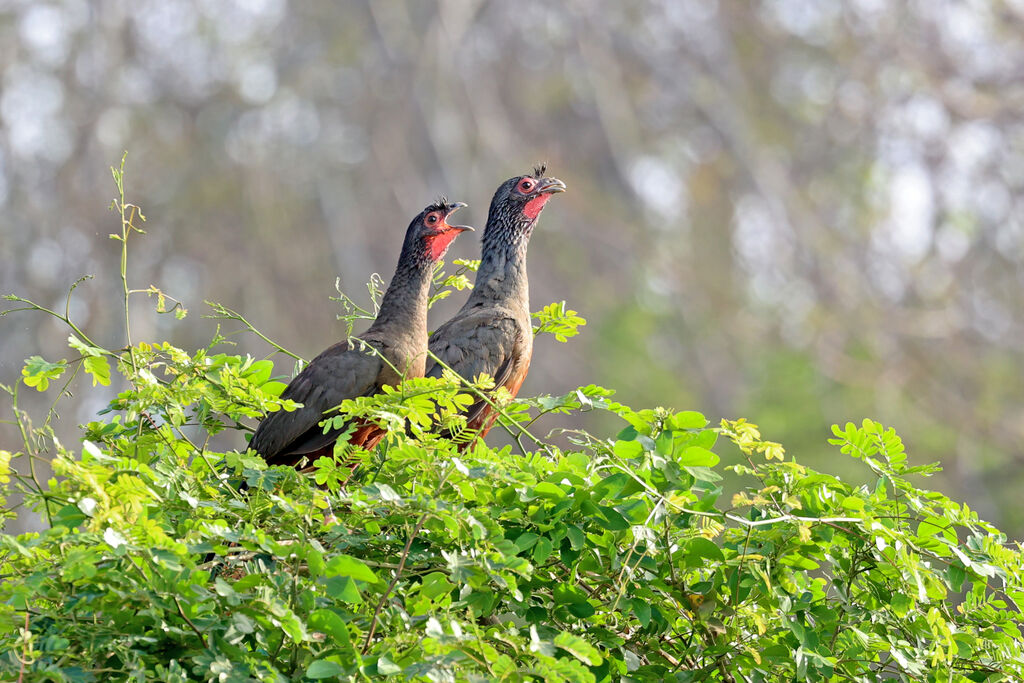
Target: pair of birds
<point x="491" y="334"/>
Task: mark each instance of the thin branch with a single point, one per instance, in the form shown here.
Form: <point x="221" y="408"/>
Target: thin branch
<point x="181" y="613"/>
<point x="221" y="312"/>
<point x="24" y="656"/>
<point x="401" y="566"/>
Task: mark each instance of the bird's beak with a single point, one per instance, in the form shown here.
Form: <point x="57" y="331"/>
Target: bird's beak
<point x="549" y="186"/>
<point x="455" y="207"/>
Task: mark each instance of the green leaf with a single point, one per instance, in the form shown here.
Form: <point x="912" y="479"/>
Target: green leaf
<point x="695" y="456"/>
<point x="548" y="490"/>
<point x="273" y="388"/>
<point x="542" y="550"/>
<point x="578" y="648"/>
<point x="242" y="623"/>
<point x="610" y="486"/>
<point x="663" y="444"/>
<point x="386" y="667"/>
<point x="583" y="610"/>
<point x="797" y="629"/>
<point x="642" y="610"/>
<point x="329" y="623"/>
<point x="86" y="350"/>
<point x="566" y="594"/>
<point x="611" y="519"/>
<point x="69" y="516"/>
<point x="576" y="537"/>
<point x="704" y="474"/>
<point x="936" y="526"/>
<point x="526" y="540"/>
<point x="345" y="565"/>
<point x="259" y="372"/>
<point x="957" y="576"/>
<point x="290" y="623"/>
<point x="628" y="449"/>
<point x="854" y="503"/>
<point x="343" y="588"/>
<point x="705" y="549"/>
<point x="99" y="368"/>
<point x="556" y="319"/>
<point x="901" y="604"/>
<point x="435" y="585"/>
<point x="223" y="588"/>
<point x="38" y="373"/>
<point x="323" y="668"/>
<point x="688" y="419"/>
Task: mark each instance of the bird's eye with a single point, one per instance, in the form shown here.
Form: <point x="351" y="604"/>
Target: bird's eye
<point x="431" y="219"/>
<point x="525" y="185"/>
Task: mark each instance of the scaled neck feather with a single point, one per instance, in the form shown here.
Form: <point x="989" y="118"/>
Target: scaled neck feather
<point x="403" y="310"/>
<point x="502" y="277"/>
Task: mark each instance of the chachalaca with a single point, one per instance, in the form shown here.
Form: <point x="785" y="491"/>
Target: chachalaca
<point x="397" y="342"/>
<point x="493" y="333"/>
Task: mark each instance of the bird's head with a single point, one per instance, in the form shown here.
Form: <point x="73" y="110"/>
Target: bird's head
<point x="519" y="201"/>
<point x="430" y="232"/>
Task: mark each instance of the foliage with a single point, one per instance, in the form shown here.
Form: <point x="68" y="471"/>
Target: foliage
<point x="558" y="320"/>
<point x="572" y="557"/>
<point x="445" y="284"/>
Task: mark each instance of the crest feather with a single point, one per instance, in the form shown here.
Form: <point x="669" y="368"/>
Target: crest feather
<point x="442" y="204"/>
<point x="539" y="170"/>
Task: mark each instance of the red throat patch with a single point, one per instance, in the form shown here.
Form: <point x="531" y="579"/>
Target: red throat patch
<point x="436" y="244"/>
<point x="533" y="207"/>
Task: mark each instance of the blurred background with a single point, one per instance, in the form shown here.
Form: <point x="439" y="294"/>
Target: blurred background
<point x="796" y="211"/>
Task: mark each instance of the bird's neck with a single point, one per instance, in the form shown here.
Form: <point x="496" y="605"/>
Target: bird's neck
<point x="403" y="310"/>
<point x="501" y="277"/>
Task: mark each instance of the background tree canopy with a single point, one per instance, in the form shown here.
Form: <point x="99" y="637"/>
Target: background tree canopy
<point x="801" y="211"/>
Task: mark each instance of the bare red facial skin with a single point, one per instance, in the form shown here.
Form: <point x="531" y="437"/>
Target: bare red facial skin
<point x="436" y="244"/>
<point x="533" y="207"/>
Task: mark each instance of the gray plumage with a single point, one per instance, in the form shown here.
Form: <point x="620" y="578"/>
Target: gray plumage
<point x="492" y="333"/>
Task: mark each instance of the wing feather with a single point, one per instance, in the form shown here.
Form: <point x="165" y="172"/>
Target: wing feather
<point x="479" y="343"/>
<point x="335" y="375"/>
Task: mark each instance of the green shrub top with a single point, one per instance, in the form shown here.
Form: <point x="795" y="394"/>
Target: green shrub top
<point x="673" y="550"/>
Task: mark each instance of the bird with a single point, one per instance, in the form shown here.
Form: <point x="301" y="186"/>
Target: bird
<point x="492" y="333"/>
<point x="393" y="348"/>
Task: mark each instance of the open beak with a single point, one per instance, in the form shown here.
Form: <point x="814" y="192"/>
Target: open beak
<point x="455" y="207"/>
<point x="549" y="186"/>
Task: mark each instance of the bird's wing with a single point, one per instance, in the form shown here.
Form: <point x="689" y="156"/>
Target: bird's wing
<point x="482" y="342"/>
<point x="336" y="374"/>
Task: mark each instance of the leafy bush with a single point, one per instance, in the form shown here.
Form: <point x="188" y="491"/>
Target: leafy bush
<point x="576" y="557"/>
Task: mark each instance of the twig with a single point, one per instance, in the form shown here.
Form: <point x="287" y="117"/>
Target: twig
<point x="222" y="312"/>
<point x="33" y="306"/>
<point x="394" y="580"/>
<point x="21" y="417"/>
<point x="181" y="612"/>
<point x="401" y="566"/>
<point x="24" y="656"/>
